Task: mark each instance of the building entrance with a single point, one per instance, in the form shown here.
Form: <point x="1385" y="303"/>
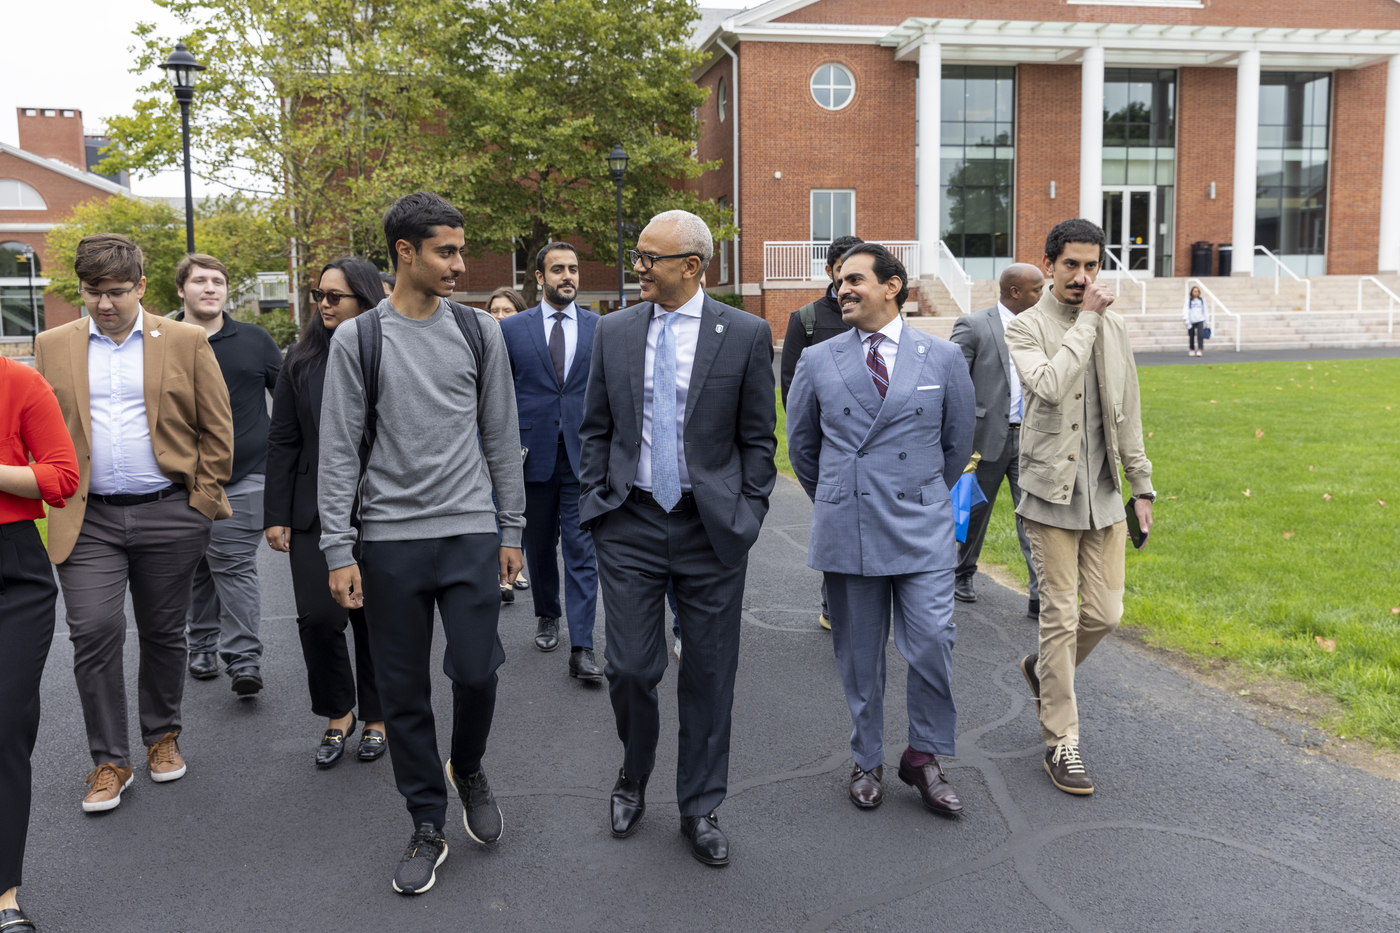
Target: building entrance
<point x="1129" y="222"/>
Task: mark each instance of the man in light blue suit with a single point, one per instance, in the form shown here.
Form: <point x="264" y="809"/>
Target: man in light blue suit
<point x="550" y="346"/>
<point x="880" y="423"/>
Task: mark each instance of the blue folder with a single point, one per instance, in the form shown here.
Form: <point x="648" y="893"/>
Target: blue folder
<point x="967" y="495"/>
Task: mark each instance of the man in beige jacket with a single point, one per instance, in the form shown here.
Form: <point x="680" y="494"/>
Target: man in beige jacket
<point x="148" y="411"/>
<point x="1082" y="421"/>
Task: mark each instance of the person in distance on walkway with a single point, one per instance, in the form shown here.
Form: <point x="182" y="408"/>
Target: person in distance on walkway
<point x="550" y="346"/>
<point x="442" y="436"/>
<point x="880" y="423"/>
<point x="147" y="409"/>
<point x="346" y="288"/>
<point x="809" y="326"/>
<point x="504" y="302"/>
<point x="1194" y="314"/>
<point x="226" y="603"/>
<point x="674" y="488"/>
<point x="1082" y="421"/>
<point x="999" y="413"/>
<point x="32" y="424"/>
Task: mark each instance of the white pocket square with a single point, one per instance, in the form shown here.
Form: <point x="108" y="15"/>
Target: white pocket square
<point x="922" y="388"/>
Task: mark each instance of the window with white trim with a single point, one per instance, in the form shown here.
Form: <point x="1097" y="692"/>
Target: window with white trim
<point x="722" y="99"/>
<point x="15" y="195"/>
<point x="833" y="86"/>
<point x="833" y="214"/>
<point x="723" y="249"/>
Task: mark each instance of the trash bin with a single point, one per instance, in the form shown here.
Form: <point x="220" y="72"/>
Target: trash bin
<point x="1201" y="258"/>
<point x="1227" y="253"/>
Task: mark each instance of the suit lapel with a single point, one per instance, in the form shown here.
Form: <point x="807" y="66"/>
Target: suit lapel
<point x="153" y="356"/>
<point x="712" y="331"/>
<point x="999" y="338"/>
<point x="583" y="349"/>
<point x="315" y="390"/>
<point x="850" y="362"/>
<point x="78" y="360"/>
<point x="636" y="335"/>
<point x="908" y="363"/>
<point x="536" y="328"/>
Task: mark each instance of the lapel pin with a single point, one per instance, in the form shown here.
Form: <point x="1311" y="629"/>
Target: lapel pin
<point x="922" y="348"/>
<point x="719" y="328"/>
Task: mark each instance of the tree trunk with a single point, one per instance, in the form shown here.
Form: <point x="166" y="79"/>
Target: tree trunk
<point x="532" y="244"/>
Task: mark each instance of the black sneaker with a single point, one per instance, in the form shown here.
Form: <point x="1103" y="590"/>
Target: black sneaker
<point x="1028" y="664"/>
<point x="1066" y="769"/>
<point x="418" y="868"/>
<point x="480" y="814"/>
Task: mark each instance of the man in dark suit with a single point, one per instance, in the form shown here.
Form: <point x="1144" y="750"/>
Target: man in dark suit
<point x="549" y="347"/>
<point x="682" y="503"/>
<point x="999" y="406"/>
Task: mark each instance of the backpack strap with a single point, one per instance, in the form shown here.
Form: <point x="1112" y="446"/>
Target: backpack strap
<point x="808" y="315"/>
<point x="476" y="342"/>
<point x="371" y="336"/>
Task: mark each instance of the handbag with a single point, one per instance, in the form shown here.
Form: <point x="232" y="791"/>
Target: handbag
<point x="1205" y="333"/>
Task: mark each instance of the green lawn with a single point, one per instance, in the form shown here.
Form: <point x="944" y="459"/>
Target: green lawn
<point x="1259" y="578"/>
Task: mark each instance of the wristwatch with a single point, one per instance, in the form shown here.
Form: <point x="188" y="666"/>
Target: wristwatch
<point x="1149" y="496"/>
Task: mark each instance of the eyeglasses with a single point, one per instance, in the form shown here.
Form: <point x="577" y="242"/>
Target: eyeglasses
<point x="92" y="296"/>
<point x="331" y="298"/>
<point x="648" y="260"/>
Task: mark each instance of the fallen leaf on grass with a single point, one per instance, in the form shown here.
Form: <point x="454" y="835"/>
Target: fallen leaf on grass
<point x="1288" y="534"/>
<point x="1381" y="503"/>
<point x="1258" y="433"/>
<point x="1328" y="644"/>
<point x="1326" y="497"/>
<point x="1246" y="494"/>
<point x="1279" y="388"/>
<point x="1212" y="401"/>
<point x="1216" y="643"/>
<point x="1313" y="468"/>
<point x="1395" y="610"/>
<point x="1309" y="366"/>
<point x="1149" y="433"/>
<point x="1171" y="497"/>
<point x="1244" y="693"/>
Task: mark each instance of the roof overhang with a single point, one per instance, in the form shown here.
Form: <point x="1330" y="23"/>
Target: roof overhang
<point x="68" y="171"/>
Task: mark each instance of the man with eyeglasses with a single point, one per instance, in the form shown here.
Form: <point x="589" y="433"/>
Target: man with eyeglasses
<point x="674" y="490"/>
<point x="146" y="405"/>
<point x="226" y="607"/>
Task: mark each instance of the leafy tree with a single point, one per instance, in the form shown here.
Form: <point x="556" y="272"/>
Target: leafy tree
<point x="153" y="225"/>
<point x="243" y="233"/>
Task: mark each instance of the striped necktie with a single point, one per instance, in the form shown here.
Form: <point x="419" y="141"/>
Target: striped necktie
<point x="876" y="365"/>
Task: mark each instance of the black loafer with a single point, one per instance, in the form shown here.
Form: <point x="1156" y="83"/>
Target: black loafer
<point x="247" y="681"/>
<point x="963" y="591"/>
<point x="372" y="745"/>
<point x="204" y="665"/>
<point x="708" y="843"/>
<point x="12" y="921"/>
<point x="629" y="802"/>
<point x="507" y="594"/>
<point x="1033" y="608"/>
<point x="583" y="667"/>
<point x="332" y="747"/>
<point x="547" y="633"/>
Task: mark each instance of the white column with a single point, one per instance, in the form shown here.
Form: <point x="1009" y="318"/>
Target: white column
<point x="1091" y="136"/>
<point x="1390" y="172"/>
<point x="930" y="150"/>
<point x="1246" y="162"/>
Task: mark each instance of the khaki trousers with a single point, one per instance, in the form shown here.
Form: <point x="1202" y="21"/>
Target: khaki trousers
<point x="1081" y="601"/>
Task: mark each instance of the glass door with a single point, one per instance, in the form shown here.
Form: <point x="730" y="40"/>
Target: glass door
<point x="1129" y="219"/>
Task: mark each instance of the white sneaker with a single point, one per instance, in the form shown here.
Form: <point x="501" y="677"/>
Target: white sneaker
<point x="677" y="649"/>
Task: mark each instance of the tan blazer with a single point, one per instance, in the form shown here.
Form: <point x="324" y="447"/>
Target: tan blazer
<point x="187" y="408"/>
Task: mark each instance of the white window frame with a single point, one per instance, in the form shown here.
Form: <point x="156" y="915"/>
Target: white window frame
<point x="812" y="86"/>
<point x="722" y="98"/>
<point x="722" y="248"/>
<point x="19" y="191"/>
<point x="811" y="212"/>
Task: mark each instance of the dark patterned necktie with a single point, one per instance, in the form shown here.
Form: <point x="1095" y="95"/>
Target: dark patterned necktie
<point x="556" y="346"/>
<point x="876" y="364"/>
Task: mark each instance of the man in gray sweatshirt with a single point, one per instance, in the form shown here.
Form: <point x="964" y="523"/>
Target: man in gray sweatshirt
<point x="447" y="437"/>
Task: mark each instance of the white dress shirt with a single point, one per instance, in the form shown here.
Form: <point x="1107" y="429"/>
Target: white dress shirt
<point x="123" y="461"/>
<point x="685" y="328"/>
<point x="570" y="325"/>
<point x="889" y="347"/>
<point x="1017" y="401"/>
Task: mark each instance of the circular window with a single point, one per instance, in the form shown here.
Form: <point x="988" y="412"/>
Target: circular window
<point x="833" y="86"/>
<point x="722" y="97"/>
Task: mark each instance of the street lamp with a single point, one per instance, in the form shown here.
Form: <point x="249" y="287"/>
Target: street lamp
<point x="617" y="164"/>
<point x="180" y="68"/>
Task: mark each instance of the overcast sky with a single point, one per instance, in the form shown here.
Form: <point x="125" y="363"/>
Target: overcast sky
<point x="74" y="54"/>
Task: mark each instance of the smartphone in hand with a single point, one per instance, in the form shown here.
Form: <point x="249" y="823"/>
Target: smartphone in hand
<point x="1135" y="532"/>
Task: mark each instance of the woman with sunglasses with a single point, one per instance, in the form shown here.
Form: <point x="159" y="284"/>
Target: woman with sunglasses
<point x="347" y="287"/>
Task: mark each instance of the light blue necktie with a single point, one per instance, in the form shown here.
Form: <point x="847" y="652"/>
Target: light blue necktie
<point x="665" y="468"/>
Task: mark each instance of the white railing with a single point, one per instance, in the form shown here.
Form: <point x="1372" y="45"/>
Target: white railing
<point x="1392" y="298"/>
<point x="1213" y="303"/>
<point x="1119" y="271"/>
<point x="805" y="260"/>
<point x="1279" y="265"/>
<point x="954" y="278"/>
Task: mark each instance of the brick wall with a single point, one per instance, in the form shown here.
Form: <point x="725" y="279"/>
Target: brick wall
<point x="1353" y="211"/>
<point x="55" y="137"/>
<point x="1047" y="149"/>
<point x="716" y="144"/>
<point x="1205" y="153"/>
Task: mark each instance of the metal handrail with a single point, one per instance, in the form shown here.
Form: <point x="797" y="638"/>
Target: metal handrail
<point x="1118" y="263"/>
<point x="804" y="260"/>
<point x="1279" y="264"/>
<point x="1381" y="285"/>
<point x="962" y="295"/>
<point x="1213" y="302"/>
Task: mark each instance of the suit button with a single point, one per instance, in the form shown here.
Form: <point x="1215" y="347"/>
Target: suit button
<point x="556" y="424"/>
<point x="903" y="456"/>
<point x="860" y="453"/>
<point x="1071" y="456"/>
<point x="918" y="411"/>
<point x="1066" y="487"/>
<point x="900" y="496"/>
<point x="845" y="411"/>
<point x="1079" y="395"/>
<point x="1073" y="427"/>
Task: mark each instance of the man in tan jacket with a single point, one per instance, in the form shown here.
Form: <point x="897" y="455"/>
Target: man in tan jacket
<point x="1081" y="422"/>
<point x="146" y="405"/>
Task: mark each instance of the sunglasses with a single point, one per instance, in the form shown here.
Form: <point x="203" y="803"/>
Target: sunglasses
<point x="331" y="298"/>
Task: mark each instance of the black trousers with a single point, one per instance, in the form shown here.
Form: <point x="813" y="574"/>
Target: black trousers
<point x="1196" y="335"/>
<point x="27" y="604"/>
<point x="640" y="549"/>
<point x="403" y="580"/>
<point x="335" y="687"/>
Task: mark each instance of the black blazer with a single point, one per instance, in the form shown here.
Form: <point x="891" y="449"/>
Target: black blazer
<point x="730" y="417"/>
<point x="293" y="451"/>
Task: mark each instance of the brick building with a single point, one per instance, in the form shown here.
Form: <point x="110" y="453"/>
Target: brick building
<point x="41" y="181"/>
<point x="1146" y="116"/>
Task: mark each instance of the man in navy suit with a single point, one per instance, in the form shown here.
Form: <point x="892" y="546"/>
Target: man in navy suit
<point x="550" y="346"/>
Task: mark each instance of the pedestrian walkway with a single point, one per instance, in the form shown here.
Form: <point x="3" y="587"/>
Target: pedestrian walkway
<point x="1203" y="819"/>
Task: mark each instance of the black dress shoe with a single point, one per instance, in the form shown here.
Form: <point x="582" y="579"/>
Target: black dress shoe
<point x="708" y="843"/>
<point x="865" y="790"/>
<point x="933" y="787"/>
<point x="629" y="802"/>
<point x="372" y="745"/>
<point x="583" y="667"/>
<point x="203" y="665"/>
<point x="12" y="921"/>
<point x="963" y="591"/>
<point x="332" y="747"/>
<point x="507" y="594"/>
<point x="247" y="681"/>
<point x="1033" y="609"/>
<point x="547" y="633"/>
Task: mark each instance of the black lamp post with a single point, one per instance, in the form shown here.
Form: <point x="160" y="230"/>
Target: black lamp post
<point x="617" y="164"/>
<point x="180" y="68"/>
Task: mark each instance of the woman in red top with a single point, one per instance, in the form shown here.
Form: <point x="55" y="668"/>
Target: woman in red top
<point x="31" y="425"/>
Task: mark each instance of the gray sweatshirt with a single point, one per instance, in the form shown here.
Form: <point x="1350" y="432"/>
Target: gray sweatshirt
<point x="429" y="475"/>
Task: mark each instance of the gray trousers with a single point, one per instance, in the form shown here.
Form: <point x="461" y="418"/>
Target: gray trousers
<point x="989" y="476"/>
<point x="225" y="603"/>
<point x="924" y="633"/>
<point x="152" y="548"/>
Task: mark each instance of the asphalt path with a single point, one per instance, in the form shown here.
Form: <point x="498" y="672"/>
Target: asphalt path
<point x="1204" y="819"/>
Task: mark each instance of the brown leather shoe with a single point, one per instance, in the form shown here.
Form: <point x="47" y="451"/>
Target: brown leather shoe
<point x="105" y="786"/>
<point x="164" y="758"/>
<point x="933" y="787"/>
<point x="866" y="792"/>
<point x="1028" y="664"/>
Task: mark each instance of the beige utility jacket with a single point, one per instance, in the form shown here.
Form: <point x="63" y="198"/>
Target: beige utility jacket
<point x="1050" y="345"/>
